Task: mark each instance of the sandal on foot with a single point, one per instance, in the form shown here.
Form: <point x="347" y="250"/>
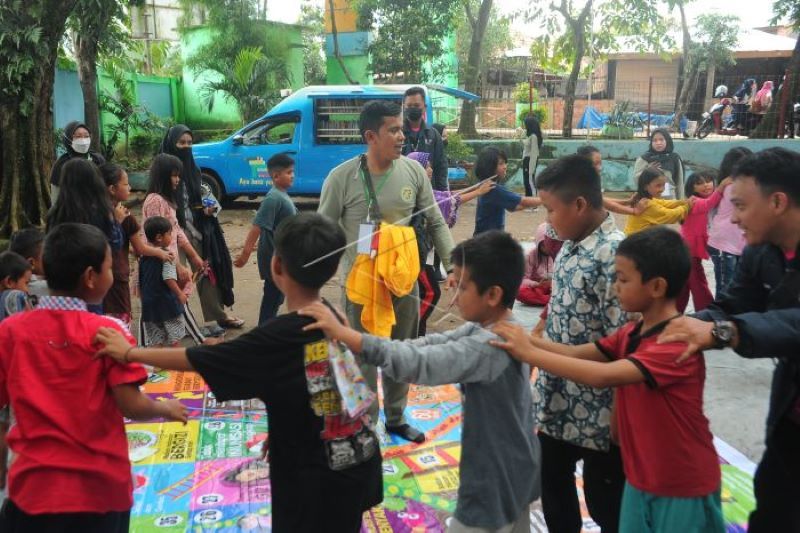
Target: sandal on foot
<point x="231" y="323"/>
<point x="407" y="432"/>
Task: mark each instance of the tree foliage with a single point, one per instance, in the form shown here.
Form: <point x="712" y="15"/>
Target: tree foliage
<point x="248" y="81"/>
<point x="249" y="78"/>
<point x="408" y="35"/>
<point x="593" y="28"/>
<point x="312" y="20"/>
<point x="496" y="40"/>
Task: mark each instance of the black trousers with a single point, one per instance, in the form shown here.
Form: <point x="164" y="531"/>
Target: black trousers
<point x="14" y="520"/>
<point x="526" y="166"/>
<point x="603" y="483"/>
<point x="775" y="483"/>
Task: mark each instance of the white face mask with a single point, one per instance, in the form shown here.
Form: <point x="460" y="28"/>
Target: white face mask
<point x="81" y="145"/>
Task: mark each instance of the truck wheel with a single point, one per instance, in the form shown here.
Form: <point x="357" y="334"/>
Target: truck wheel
<point x="210" y="184"/>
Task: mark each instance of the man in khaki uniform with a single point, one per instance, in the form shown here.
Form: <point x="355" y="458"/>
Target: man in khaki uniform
<point x="402" y="188"/>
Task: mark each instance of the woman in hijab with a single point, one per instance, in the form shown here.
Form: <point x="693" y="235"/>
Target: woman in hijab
<point x="743" y="98"/>
<point x="661" y="155"/>
<point x="76" y="139"/>
<point x="197" y="217"/>
<point x="762" y="101"/>
<point x="530" y="153"/>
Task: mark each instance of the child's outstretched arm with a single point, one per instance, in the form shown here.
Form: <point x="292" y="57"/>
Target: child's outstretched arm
<point x="593" y="373"/>
<point x="249" y="244"/>
<point x="116" y="346"/>
<point x="622" y="209"/>
<point x="529" y="201"/>
<point x="135" y="405"/>
<point x="466" y="358"/>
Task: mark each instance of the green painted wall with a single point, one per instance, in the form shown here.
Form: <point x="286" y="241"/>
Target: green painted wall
<point x="225" y="113"/>
<point x="357" y="66"/>
<point x="620" y="156"/>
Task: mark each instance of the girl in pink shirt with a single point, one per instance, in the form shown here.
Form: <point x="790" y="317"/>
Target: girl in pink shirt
<point x="694" y="230"/>
<point x="725" y="239"/>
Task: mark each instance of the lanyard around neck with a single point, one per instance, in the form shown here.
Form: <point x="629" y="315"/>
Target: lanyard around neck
<point x="370" y="192"/>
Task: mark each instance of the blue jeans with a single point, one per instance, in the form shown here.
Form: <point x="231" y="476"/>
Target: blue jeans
<point x="270" y="302"/>
<point x="724" y="268"/>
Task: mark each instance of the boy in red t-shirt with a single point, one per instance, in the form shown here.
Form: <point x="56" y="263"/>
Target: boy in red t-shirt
<point x="671" y="466"/>
<point x="71" y="470"/>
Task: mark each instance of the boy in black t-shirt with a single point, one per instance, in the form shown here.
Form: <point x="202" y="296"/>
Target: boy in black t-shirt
<point x="325" y="467"/>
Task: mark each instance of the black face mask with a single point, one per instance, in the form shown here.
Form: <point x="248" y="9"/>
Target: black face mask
<point x="184" y="153"/>
<point x="414" y="113"/>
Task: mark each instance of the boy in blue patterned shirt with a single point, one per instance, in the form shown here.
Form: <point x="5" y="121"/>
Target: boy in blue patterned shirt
<point x="574" y="419"/>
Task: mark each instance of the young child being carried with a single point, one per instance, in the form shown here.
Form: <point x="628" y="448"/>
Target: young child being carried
<point x="315" y="443"/>
<point x="71" y="470"/>
<point x="275" y="207"/>
<point x="671" y="465"/>
<point x="499" y="468"/>
<point x="163" y="299"/>
<point x="28" y="243"/>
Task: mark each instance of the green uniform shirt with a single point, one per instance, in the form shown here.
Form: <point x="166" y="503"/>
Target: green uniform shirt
<point x="407" y="190"/>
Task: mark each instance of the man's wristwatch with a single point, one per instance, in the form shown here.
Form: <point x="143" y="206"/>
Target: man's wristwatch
<point x="722" y="333"/>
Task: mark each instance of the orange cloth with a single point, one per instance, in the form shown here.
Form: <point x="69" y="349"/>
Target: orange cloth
<point x="393" y="272"/>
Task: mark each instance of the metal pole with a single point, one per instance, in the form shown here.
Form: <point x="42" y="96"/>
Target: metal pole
<point x="591" y="75"/>
<point x="530" y="93"/>
<point x="787" y="82"/>
<point x="649" y="104"/>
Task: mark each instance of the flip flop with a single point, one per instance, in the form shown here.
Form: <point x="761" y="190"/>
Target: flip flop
<point x="231" y="323"/>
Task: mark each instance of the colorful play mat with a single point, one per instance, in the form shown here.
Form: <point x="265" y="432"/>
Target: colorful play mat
<point x="207" y="475"/>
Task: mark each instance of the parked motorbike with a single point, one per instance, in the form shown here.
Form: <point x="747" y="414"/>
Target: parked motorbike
<point x="713" y="121"/>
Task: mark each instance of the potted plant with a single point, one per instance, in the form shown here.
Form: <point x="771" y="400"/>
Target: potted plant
<point x="621" y="122"/>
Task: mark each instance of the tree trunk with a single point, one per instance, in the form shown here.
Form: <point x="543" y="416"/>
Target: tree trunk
<point x="578" y="26"/>
<point x="466" y="125"/>
<point x="768" y="127"/>
<point x="336" y="53"/>
<point x="26" y="131"/>
<point x="87" y="74"/>
<point x="685" y="74"/>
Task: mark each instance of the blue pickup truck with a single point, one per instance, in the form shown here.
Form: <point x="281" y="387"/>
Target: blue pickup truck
<point x="317" y="126"/>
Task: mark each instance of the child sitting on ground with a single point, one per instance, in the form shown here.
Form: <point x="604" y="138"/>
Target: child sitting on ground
<point x="15" y="274"/>
<point x="657" y="210"/>
<point x="536" y="285"/>
<point x="671" y="465"/>
<point x="71" y="470"/>
<point x="275" y="207"/>
<point x="314" y="444"/>
<point x="492" y="164"/>
<point x="163" y="300"/>
<point x="499" y="468"/>
<point x="694" y="229"/>
<point x="28" y="243"/>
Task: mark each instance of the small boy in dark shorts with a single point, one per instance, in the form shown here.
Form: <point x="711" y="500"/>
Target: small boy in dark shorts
<point x="325" y="464"/>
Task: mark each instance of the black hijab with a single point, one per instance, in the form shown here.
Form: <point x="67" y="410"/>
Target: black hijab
<point x="190" y="175"/>
<point x="215" y="249"/>
<point x="66" y="142"/>
<point x="668" y="159"/>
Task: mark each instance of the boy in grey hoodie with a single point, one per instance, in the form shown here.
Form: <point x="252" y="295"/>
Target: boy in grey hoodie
<point x="500" y="467"/>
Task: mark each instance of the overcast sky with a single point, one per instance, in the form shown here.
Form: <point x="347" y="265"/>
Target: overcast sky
<point x="755" y="12"/>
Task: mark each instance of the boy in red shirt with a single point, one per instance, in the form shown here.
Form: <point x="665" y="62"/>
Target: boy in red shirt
<point x="71" y="470"/>
<point x="671" y="466"/>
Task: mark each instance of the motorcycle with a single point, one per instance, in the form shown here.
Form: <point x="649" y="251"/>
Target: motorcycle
<point x="713" y="121"/>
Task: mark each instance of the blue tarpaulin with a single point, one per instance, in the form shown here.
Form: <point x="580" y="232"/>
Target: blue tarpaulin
<point x="594" y="120"/>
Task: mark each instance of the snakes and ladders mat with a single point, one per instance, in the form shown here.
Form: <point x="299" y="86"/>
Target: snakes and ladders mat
<point x="207" y="475"/>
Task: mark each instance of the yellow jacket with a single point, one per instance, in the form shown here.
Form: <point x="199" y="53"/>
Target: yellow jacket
<point x="659" y="211"/>
<point x="393" y="271"/>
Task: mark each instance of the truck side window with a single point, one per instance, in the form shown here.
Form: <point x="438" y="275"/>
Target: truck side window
<point x="270" y="133"/>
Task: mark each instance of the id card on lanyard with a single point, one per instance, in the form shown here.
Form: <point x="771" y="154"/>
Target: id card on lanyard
<point x="369" y="230"/>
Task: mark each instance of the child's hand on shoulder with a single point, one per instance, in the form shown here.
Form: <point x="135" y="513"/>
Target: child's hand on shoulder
<point x="115" y="345"/>
<point x="724" y="183"/>
<point x="486" y="186"/>
<point x="641" y="206"/>
<point x="515" y="340"/>
<point x="165" y="255"/>
<point x="174" y="410"/>
<point x="325" y="320"/>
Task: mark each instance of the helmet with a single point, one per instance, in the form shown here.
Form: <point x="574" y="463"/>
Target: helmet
<point x="720" y="91"/>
